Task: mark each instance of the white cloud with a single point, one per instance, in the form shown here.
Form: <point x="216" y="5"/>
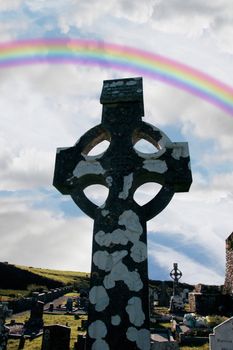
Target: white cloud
<point x="38" y="237"/>
<point x="10" y="5"/>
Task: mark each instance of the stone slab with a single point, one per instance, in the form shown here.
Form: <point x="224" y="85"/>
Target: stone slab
<point x="222" y="337"/>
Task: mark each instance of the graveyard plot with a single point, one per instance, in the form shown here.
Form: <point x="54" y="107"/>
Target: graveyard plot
<point x="35" y="344"/>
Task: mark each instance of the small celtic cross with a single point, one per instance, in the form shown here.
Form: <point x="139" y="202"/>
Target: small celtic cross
<point x="118" y="316"/>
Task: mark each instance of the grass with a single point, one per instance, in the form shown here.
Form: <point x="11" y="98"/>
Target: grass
<point x="67" y="277"/>
<point x="35" y="344"/>
<point x="8" y="294"/>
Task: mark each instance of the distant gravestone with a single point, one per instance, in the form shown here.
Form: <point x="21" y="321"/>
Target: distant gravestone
<point x="222" y="337"/>
<point x="69" y="305"/>
<point x="4" y="313"/>
<point x="176" y="301"/>
<point x="35" y="322"/>
<point x="56" y="337"/>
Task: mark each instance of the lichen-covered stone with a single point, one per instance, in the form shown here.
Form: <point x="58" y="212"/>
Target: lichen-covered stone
<point x="119" y="275"/>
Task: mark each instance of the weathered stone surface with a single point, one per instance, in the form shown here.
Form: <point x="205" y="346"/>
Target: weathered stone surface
<point x="228" y="285"/>
<point x="56" y="337"/>
<point x="35" y="322"/>
<point x="211" y="303"/>
<point x="118" y="313"/>
<point x="4" y="313"/>
<point x="222" y="337"/>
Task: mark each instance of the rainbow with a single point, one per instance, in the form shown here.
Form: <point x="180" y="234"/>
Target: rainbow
<point x="107" y="55"/>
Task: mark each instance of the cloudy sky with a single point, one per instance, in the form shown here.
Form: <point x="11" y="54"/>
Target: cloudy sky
<point x="48" y="106"/>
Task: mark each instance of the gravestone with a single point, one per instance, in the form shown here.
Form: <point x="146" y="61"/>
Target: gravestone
<point x="176" y="301"/>
<point x="4" y="313"/>
<point x="51" y="307"/>
<point x="56" y="337"/>
<point x="222" y="337"/>
<point x="69" y="305"/>
<point x="35" y="322"/>
<point x="118" y="315"/>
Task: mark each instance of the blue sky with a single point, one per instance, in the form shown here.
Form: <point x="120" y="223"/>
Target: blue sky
<point x="45" y="107"/>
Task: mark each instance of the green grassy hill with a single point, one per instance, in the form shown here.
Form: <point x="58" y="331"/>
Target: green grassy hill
<point x="15" y="277"/>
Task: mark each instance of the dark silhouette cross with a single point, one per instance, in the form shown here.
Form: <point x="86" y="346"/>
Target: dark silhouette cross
<point x="175" y="274"/>
<point x="118" y="316"/>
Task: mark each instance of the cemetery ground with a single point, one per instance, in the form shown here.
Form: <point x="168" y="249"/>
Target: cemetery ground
<point x="35" y="344"/>
<point x="73" y="323"/>
<point x="76" y="281"/>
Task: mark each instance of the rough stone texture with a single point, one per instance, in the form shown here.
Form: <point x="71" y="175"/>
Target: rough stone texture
<point x="4" y="313"/>
<point x="210" y="303"/>
<point x="118" y="314"/>
<point x="56" y="337"/>
<point x="228" y="285"/>
<point x="35" y="322"/>
<point x="222" y="337"/>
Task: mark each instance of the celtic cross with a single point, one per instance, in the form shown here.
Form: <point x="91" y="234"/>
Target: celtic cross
<point x="175" y="274"/>
<point x="118" y="316"/>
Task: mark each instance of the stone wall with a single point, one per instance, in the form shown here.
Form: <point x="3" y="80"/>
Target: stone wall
<point x="228" y="285"/>
<point x="23" y="304"/>
<point x="209" y="300"/>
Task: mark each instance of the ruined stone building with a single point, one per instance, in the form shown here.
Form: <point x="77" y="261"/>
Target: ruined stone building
<point x="228" y="285"/>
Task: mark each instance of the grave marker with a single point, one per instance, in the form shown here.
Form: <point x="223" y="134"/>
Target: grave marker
<point x="222" y="337"/>
<point x="118" y="314"/>
<point x="4" y="313"/>
<point x="56" y="337"/>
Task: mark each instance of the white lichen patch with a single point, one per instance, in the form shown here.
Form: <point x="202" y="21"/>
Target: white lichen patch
<point x="120" y="272"/>
<point x="109" y="181"/>
<point x="132" y="232"/>
<point x="99" y="297"/>
<point x="131" y="82"/>
<point x="141" y="337"/>
<point x="131" y="222"/>
<point x="155" y="165"/>
<point x="116" y="237"/>
<point x="105" y="261"/>
<point x="115" y="320"/>
<point x="88" y="167"/>
<point x="139" y="252"/>
<point x="128" y="180"/>
<point x="97" y="329"/>
<point x="180" y="149"/>
<point x="100" y="344"/>
<point x="104" y="212"/>
<point x="135" y="312"/>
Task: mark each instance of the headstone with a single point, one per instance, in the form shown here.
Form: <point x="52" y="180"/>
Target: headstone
<point x="69" y="305"/>
<point x="176" y="301"/>
<point x="118" y="315"/>
<point x="222" y="337"/>
<point x="4" y="313"/>
<point x="56" y="337"/>
<point x="176" y="304"/>
<point x="51" y="307"/>
<point x="35" y="322"/>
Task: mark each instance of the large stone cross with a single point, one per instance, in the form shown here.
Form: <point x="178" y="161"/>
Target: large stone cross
<point x="118" y="316"/>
